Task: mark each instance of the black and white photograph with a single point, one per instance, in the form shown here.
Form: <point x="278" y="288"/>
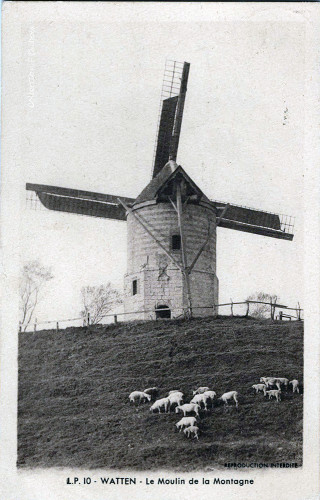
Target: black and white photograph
<point x="160" y="241"/>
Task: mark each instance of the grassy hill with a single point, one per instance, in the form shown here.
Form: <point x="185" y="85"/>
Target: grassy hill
<point x="74" y="409"/>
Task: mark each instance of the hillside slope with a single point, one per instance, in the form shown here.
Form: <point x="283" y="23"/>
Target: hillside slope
<point x="74" y="409"/>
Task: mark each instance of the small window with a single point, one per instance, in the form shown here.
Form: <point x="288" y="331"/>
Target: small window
<point x="176" y="242"/>
<point x="134" y="287"/>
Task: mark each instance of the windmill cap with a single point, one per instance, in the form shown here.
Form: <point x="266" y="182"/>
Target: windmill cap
<point x="151" y="191"/>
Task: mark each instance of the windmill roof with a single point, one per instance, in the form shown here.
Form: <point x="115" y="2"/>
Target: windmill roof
<point x="169" y="171"/>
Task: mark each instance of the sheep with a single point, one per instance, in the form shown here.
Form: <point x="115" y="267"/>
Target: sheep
<point x="266" y="379"/>
<point x="211" y="394"/>
<point x="172" y="392"/>
<point x="185" y="422"/>
<point x="200" y="398"/>
<point x="272" y="381"/>
<point x="193" y="429"/>
<point x="175" y="398"/>
<point x="276" y="393"/>
<point x="283" y="381"/>
<point x="188" y="408"/>
<point x="153" y="391"/>
<point x="295" y="385"/>
<point x="160" y="403"/>
<point x="259" y="388"/>
<point x="175" y="393"/>
<point x="278" y="382"/>
<point x="229" y="395"/>
<point x="200" y="390"/>
<point x="138" y="395"/>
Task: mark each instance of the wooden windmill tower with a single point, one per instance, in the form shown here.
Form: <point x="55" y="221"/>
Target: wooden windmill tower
<point x="172" y="225"/>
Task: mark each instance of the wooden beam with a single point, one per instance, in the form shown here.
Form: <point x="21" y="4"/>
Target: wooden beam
<point x="183" y="247"/>
<point x="223" y="213"/>
<point x="200" y="251"/>
<point x="143" y="224"/>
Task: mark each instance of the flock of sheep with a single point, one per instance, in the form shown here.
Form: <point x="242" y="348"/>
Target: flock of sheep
<point x="202" y="397"/>
<point x="267" y="386"/>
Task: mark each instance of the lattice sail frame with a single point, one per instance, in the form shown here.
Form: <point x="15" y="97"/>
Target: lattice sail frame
<point x="173" y="91"/>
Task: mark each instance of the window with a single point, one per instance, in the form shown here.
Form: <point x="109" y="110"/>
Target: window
<point x="134" y="287"/>
<point x="176" y="242"/>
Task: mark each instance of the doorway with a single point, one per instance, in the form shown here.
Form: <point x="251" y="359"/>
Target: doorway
<point x="163" y="311"/>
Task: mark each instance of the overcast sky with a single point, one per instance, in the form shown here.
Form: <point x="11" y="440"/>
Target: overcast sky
<point x="93" y="125"/>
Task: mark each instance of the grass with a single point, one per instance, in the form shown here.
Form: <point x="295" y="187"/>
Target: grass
<point x="74" y="409"/>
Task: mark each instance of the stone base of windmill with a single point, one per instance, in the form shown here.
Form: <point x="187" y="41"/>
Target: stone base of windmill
<point x="150" y="296"/>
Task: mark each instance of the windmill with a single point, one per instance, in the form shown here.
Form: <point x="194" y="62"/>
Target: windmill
<point x="171" y="225"/>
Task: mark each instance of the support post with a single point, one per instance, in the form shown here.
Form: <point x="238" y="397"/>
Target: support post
<point x="143" y="224"/>
<point x="183" y="249"/>
<point x="299" y="312"/>
<point x="231" y="307"/>
<point x="115" y="319"/>
<point x="35" y="326"/>
<point x="248" y="306"/>
<point x="280" y="315"/>
<point x="57" y="327"/>
<point x="88" y="319"/>
<point x="20" y="327"/>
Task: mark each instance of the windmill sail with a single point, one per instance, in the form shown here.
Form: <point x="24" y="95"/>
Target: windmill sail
<point x="173" y="95"/>
<point x="255" y="221"/>
<point x="80" y="202"/>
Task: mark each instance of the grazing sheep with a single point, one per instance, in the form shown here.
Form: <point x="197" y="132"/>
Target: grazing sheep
<point x="275" y="393"/>
<point x="185" y="422"/>
<point x="211" y="394"/>
<point x="188" y="408"/>
<point x="193" y="429"/>
<point x="266" y="379"/>
<point x="229" y="395"/>
<point x="200" y="390"/>
<point x="271" y="382"/>
<point x="153" y="391"/>
<point x="295" y="385"/>
<point x="283" y="381"/>
<point x="138" y="395"/>
<point x="173" y="392"/>
<point x="160" y="403"/>
<point x="259" y="387"/>
<point x="200" y="398"/>
<point x="175" y="398"/>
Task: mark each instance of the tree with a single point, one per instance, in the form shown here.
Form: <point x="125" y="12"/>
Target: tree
<point x="98" y="301"/>
<point x="261" y="311"/>
<point x="32" y="280"/>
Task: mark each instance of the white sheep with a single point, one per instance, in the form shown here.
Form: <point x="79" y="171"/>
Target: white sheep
<point x="211" y="394"/>
<point x="259" y="388"/>
<point x="185" y="422"/>
<point x="188" y="408"/>
<point x="229" y="395"/>
<point x="200" y="398"/>
<point x="266" y="379"/>
<point x="175" y="398"/>
<point x="153" y="391"/>
<point x="200" y="390"/>
<point x="295" y="385"/>
<point x="283" y="381"/>
<point x="139" y="395"/>
<point x="272" y="381"/>
<point x="193" y="429"/>
<point x="160" y="403"/>
<point x="275" y="393"/>
<point x="174" y="391"/>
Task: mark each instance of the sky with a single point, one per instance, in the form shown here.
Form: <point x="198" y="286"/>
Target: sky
<point x="91" y="95"/>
